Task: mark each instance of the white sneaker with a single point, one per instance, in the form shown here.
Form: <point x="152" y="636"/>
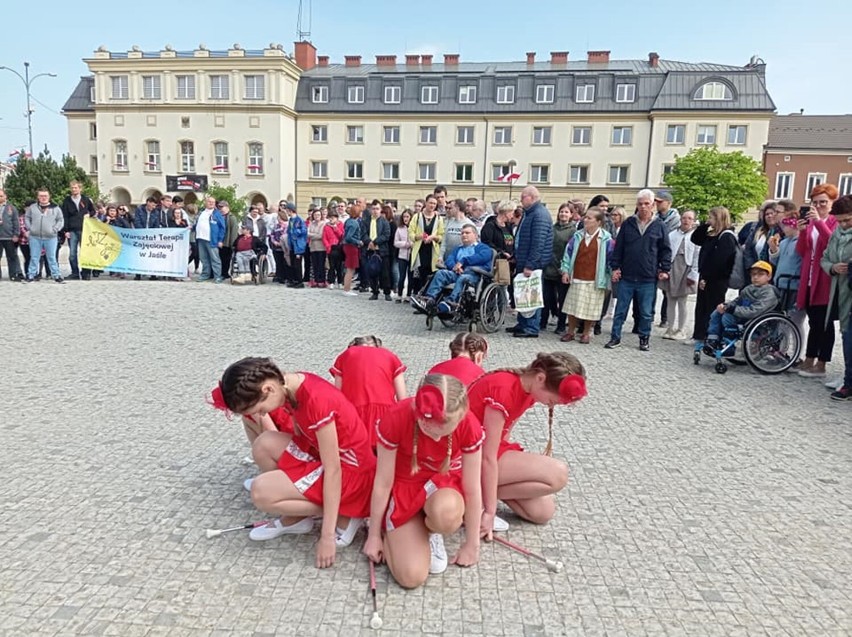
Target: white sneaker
<point x="345" y="536"/>
<point x="350" y="293"/>
<point x="669" y="335"/>
<point x="834" y="383"/>
<point x="500" y="525"/>
<point x="438" y="563"/>
<point x="331" y="286"/>
<point x="275" y="529"/>
<point x="678" y="335"/>
<point x="247" y="484"/>
<point x="812" y="372"/>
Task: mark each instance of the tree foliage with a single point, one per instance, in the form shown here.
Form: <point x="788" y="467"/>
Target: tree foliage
<point x="229" y="194"/>
<point x="705" y="178"/>
<point x="44" y="172"/>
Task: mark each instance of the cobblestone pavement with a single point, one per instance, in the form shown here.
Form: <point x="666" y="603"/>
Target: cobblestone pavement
<point x="698" y="504"/>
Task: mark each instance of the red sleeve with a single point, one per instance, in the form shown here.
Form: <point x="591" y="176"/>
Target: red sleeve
<point x="338" y="366"/>
<point x="396" y="366"/>
<point x="319" y="411"/>
<point x="389" y="426"/>
<point x="471" y="434"/>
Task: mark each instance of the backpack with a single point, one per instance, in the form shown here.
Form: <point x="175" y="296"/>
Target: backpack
<point x="737" y="281"/>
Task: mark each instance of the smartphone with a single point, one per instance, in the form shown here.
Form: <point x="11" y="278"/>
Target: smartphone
<point x="804" y="211"/>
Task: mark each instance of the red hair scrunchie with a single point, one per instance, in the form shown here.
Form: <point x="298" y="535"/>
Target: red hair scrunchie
<point x="217" y="400"/>
<point x="572" y="388"/>
<point x="429" y="403"/>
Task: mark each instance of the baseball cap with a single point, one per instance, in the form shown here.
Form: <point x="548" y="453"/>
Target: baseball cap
<point x="291" y="206"/>
<point x="664" y="195"/>
<point x="761" y="265"/>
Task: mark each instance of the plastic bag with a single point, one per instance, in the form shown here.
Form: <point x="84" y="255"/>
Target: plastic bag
<point x="528" y="292"/>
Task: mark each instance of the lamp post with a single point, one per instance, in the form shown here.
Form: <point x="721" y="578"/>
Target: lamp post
<point x="27" y="80"/>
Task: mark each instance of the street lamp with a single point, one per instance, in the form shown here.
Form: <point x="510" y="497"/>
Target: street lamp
<point x="27" y="80"/>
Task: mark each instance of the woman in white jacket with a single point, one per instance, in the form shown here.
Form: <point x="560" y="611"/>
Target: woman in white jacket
<point x="683" y="277"/>
<point x="402" y="267"/>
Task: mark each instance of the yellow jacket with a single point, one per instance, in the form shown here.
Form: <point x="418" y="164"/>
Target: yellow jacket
<point x="415" y="235"/>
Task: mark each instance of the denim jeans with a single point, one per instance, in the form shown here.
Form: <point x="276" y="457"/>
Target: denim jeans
<point x="73" y="248"/>
<point x="720" y="323"/>
<point x="529" y="325"/>
<point x="401" y="273"/>
<point x="49" y="245"/>
<point x="211" y="266"/>
<point x="642" y="294"/>
<point x="445" y="277"/>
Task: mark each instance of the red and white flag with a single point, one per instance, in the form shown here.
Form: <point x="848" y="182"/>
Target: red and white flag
<point x="510" y="177"/>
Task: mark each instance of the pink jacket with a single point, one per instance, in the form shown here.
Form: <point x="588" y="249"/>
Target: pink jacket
<point x="816" y="294"/>
<point x="332" y="235"/>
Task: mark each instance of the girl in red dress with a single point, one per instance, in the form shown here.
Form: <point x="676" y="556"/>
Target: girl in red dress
<point x="327" y="467"/>
<point x="467" y="351"/>
<point x="525" y="481"/>
<point x="427" y="482"/>
<point x="371" y="377"/>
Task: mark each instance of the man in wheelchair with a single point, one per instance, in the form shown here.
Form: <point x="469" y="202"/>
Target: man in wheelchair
<point x="459" y="271"/>
<point x="753" y="301"/>
<point x="247" y="249"/>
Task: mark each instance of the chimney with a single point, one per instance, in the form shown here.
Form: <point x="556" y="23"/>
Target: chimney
<point x="385" y="60"/>
<point x="426" y="59"/>
<point x="653" y="60"/>
<point x="451" y="58"/>
<point x="530" y="57"/>
<point x="559" y="57"/>
<point x="306" y="55"/>
<point x="322" y="60"/>
<point x="598" y="57"/>
<point x="412" y="60"/>
<point x="352" y="60"/>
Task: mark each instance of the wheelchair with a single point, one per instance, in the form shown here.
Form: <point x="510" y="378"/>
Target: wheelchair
<point x="482" y="307"/>
<point x="771" y="343"/>
<point x="258" y="270"/>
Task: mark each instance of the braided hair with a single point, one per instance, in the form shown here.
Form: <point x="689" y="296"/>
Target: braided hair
<point x="368" y="340"/>
<point x="468" y="342"/>
<point x="242" y="383"/>
<point x="455" y="405"/>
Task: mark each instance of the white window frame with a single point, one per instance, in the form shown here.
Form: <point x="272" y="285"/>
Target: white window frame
<point x="545" y="93"/>
<point x="465" y="167"/>
<point x="737" y="127"/>
<point x="679" y="140"/>
<point x="319" y="94"/>
<point x="429" y="94"/>
<point x="120" y="87"/>
<point x="539" y="173"/>
<point x="625" y="93"/>
<point x="498" y="170"/>
<point x="505" y="135"/>
<point x="619" y="167"/>
<point x="390" y="134"/>
<point x="184" y="87"/>
<point x="508" y="96"/>
<point x="254" y="163"/>
<point x="351" y="134"/>
<point x="187" y="159"/>
<point x="355" y="93"/>
<point x="619" y="133"/>
<point x="780" y="191"/>
<point x="393" y="94"/>
<point x="319" y="169"/>
<point x="220" y="158"/>
<point x="220" y="87"/>
<point x="120" y="155"/>
<point x="258" y="86"/>
<point x="584" y="94"/>
<point x="701" y="137"/>
<point x="388" y="170"/>
<point x="93" y="164"/>
<point x="713" y="92"/>
<point x="319" y="133"/>
<point x="578" y="129"/>
<point x="152" y="156"/>
<point x="430" y="170"/>
<point x="813" y="180"/>
<point x="844" y="184"/>
<point x="542" y="135"/>
<point x="320" y="202"/>
<point x="580" y="169"/>
<point x="464" y="135"/>
<point x="433" y="129"/>
<point x="355" y="170"/>
<point x="467" y="94"/>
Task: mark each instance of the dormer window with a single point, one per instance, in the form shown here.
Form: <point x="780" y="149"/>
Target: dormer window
<point x="355" y="94"/>
<point x="319" y="94"/>
<point x="713" y="91"/>
<point x="585" y="94"/>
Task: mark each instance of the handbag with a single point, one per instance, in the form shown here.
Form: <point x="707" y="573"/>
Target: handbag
<point x="374" y="265"/>
<point x="502" y="272"/>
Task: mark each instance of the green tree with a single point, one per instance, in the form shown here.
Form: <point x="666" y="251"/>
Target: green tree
<point x="705" y="177"/>
<point x="229" y="194"/>
<point x="45" y="172"/>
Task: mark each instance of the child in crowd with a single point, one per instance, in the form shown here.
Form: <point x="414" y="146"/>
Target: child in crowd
<point x="467" y="351"/>
<point x="246" y="249"/>
<point x="427" y="482"/>
<point x="332" y="235"/>
<point x="325" y="469"/>
<point x="526" y="482"/>
<point x="758" y="298"/>
<point x="788" y="264"/>
<point x="371" y="377"/>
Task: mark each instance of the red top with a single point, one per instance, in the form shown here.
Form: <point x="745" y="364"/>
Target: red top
<point x="460" y="367"/>
<point x="331" y="235"/>
<point x="818" y="293"/>
<point x="368" y="374"/>
<point x="395" y="431"/>
<point x="320" y="403"/>
<point x="280" y="418"/>
<point x="501" y="391"/>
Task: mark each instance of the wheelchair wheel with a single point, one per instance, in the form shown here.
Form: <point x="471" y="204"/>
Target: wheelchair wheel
<point x="721" y="368"/>
<point x="492" y="308"/>
<point x="262" y="269"/>
<point x="772" y="344"/>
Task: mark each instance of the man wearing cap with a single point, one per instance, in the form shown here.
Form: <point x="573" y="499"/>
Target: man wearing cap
<point x="671" y="218"/>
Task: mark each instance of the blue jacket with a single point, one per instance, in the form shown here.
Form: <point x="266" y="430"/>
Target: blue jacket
<point x="383" y="234"/>
<point x="481" y="258"/>
<point x="603" y="273"/>
<point x="352" y="232"/>
<point x="641" y="257"/>
<point x="534" y="239"/>
<point x="144" y="219"/>
<point x="297" y="235"/>
<point x="217" y="227"/>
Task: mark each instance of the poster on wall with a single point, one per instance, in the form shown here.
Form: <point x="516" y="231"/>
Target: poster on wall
<point x="186" y="183"/>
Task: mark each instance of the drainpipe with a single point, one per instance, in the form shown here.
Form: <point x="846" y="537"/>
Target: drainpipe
<point x="485" y="158"/>
<point x="650" y="150"/>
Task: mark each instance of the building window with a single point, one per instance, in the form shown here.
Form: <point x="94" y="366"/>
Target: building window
<point x="467" y="94"/>
<point x="622" y="135"/>
<point x="255" y="159"/>
<point x="220" y="157"/>
<point x="185" y="87"/>
<point x="390" y="135"/>
<point x="578" y="175"/>
<point x="502" y="135"/>
<point x="319" y="133"/>
<point x="390" y="171"/>
<point x="393" y="94"/>
<point x="319" y="202"/>
<point x="667" y="169"/>
<point x="844" y="184"/>
<point x="464" y="172"/>
<point x="784" y="185"/>
<point x="506" y="94"/>
<point x="581" y="136"/>
<point x="675" y="134"/>
<point x="354" y="134"/>
<point x="498" y="170"/>
<point x="93" y="164"/>
<point x="585" y="94"/>
<point x="319" y="170"/>
<point x="255" y="87"/>
<point x="187" y="157"/>
<point x="541" y="135"/>
<point x="618" y="175"/>
<point x="355" y="94"/>
<point x="428" y="134"/>
<point x="814" y="180"/>
<point x="539" y="173"/>
<point x="354" y="170"/>
<point x="152" y="156"/>
<point x="544" y="93"/>
<point x="93" y="131"/>
<point x="219" y="87"/>
<point x="426" y="172"/>
<point x="92" y="95"/>
<point x="737" y="135"/>
<point x="625" y="93"/>
<point x="464" y="134"/>
<point x="706" y="135"/>
<point x="120" y="154"/>
<point x="715" y="91"/>
<point x="151" y="87"/>
<point x="429" y="95"/>
<point x="120" y="87"/>
<point x="319" y="94"/>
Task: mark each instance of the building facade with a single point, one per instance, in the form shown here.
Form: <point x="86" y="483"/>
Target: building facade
<point x="804" y="151"/>
<point x="395" y="130"/>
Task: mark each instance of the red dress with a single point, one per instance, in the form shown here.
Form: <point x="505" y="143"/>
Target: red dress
<point x="319" y="404"/>
<point x="368" y="374"/>
<point x="460" y="367"/>
<point x="281" y="419"/>
<point x="395" y="431"/>
<point x="501" y="391"/>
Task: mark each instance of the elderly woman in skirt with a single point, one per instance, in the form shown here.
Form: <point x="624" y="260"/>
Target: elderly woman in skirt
<point x="585" y="266"/>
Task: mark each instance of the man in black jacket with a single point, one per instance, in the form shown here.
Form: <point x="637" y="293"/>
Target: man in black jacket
<point x="376" y="236"/>
<point x="75" y="208"/>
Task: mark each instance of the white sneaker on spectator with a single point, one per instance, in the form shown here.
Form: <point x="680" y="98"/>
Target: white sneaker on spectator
<point x="438" y="563"/>
<point x="678" y="335"/>
<point x="345" y="536"/>
<point x="350" y="293"/>
<point x="275" y="529"/>
<point x="500" y="525"/>
<point x="669" y="335"/>
<point x="834" y="383"/>
<point x="812" y="372"/>
<point x="247" y="484"/>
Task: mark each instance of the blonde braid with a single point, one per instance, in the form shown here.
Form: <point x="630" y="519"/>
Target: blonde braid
<point x="445" y="468"/>
<point x="415" y="466"/>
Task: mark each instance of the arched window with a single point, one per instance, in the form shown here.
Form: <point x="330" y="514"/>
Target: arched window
<point x="713" y="91"/>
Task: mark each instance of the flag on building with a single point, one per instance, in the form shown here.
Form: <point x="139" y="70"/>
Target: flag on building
<point x="509" y="177"/>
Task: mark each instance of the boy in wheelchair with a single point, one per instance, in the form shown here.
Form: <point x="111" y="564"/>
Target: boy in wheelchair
<point x="753" y="301"/>
<point x="459" y="271"/>
<point x="247" y="249"/>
